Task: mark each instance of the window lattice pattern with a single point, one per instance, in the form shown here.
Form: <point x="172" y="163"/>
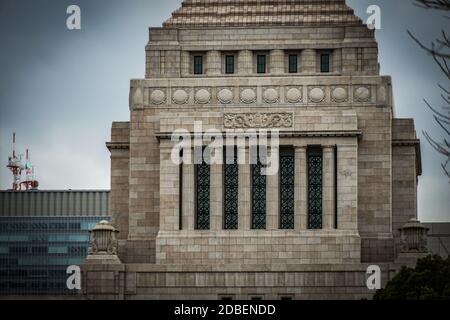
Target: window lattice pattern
<point x="287" y="187"/>
<point x="231" y="195"/>
<point x="203" y="196"/>
<point x="258" y="197"/>
<point x="315" y="190"/>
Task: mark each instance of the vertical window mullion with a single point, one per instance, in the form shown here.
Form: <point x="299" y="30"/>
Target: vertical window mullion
<point x="315" y="195"/>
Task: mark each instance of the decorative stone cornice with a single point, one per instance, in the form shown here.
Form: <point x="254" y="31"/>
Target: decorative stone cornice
<point x="117" y="146"/>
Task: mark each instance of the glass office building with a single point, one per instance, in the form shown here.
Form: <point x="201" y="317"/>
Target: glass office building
<point x="42" y="233"/>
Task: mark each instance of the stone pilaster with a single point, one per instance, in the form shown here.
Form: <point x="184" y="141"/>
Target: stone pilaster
<point x="169" y="189"/>
<point x="245" y="62"/>
<point x="277" y="62"/>
<point x="347" y="161"/>
<point x="244" y="193"/>
<point x="188" y="197"/>
<point x="301" y="209"/>
<point x="328" y="187"/>
<point x="216" y="197"/>
<point x="308" y="63"/>
<point x="185" y="64"/>
<point x="213" y="65"/>
<point x="273" y="201"/>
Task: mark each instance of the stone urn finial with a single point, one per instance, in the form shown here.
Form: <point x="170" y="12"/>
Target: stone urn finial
<point x="413" y="237"/>
<point x="103" y="239"/>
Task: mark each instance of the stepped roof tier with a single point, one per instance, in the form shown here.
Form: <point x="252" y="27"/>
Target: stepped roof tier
<point x="255" y="13"/>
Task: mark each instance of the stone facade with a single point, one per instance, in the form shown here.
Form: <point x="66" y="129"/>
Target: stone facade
<point x="371" y="160"/>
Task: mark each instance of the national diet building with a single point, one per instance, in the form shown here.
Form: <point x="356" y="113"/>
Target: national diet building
<point x="344" y="197"/>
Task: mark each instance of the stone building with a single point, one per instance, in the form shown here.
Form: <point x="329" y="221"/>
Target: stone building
<point x="348" y="168"/>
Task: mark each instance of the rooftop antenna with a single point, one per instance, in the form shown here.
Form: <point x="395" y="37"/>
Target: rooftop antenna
<point x="16" y="167"/>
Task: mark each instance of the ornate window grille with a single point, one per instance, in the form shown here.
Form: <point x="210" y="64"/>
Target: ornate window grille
<point x="315" y="175"/>
<point x="231" y="191"/>
<point x="258" y="197"/>
<point x="202" y="183"/>
<point x="287" y="188"/>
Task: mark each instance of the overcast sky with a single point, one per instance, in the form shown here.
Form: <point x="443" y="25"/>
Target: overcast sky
<point x="60" y="90"/>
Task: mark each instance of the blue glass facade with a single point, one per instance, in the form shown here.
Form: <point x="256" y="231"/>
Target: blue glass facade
<point x="36" y="251"/>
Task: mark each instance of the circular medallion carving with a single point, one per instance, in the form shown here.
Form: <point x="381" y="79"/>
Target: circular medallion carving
<point x="248" y="96"/>
<point x="271" y="96"/>
<point x="317" y="95"/>
<point x="339" y="94"/>
<point x="202" y="96"/>
<point x="362" y="94"/>
<point x="225" y="96"/>
<point x="157" y="97"/>
<point x="180" y="97"/>
<point x="294" y="95"/>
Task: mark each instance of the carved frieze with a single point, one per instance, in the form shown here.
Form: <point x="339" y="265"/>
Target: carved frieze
<point x="258" y="120"/>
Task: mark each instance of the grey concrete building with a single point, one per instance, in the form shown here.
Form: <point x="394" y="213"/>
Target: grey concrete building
<point x="42" y="233"/>
<point x="348" y="172"/>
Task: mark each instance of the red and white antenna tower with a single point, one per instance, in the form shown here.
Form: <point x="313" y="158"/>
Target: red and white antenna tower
<point x="16" y="167"/>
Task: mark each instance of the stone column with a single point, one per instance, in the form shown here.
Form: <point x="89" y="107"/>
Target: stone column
<point x="277" y="62"/>
<point x="188" y="197"/>
<point x="185" y="64"/>
<point x="169" y="189"/>
<point x="337" y="61"/>
<point x="216" y="197"/>
<point x="244" y="196"/>
<point x="213" y="63"/>
<point x="308" y="61"/>
<point x="328" y="187"/>
<point x="245" y="62"/>
<point x="301" y="209"/>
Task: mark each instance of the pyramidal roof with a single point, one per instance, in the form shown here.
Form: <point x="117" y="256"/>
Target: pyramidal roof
<point x="253" y="13"/>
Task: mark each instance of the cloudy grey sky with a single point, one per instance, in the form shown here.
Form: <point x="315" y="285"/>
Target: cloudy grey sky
<point x="60" y="90"/>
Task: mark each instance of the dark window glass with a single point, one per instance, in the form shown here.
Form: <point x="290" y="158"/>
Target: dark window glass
<point x="198" y="65"/>
<point x="231" y="191"/>
<point x="325" y="62"/>
<point x="315" y="164"/>
<point x="287" y="188"/>
<point x="203" y="196"/>
<point x="293" y="63"/>
<point x="258" y="196"/>
<point x="261" y="63"/>
<point x="229" y="64"/>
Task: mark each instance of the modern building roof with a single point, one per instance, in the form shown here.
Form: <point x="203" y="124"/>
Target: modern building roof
<point x="54" y="203"/>
<point x="252" y="13"/>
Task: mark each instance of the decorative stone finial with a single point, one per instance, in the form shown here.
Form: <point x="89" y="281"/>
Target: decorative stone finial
<point x="103" y="239"/>
<point x="413" y="237"/>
